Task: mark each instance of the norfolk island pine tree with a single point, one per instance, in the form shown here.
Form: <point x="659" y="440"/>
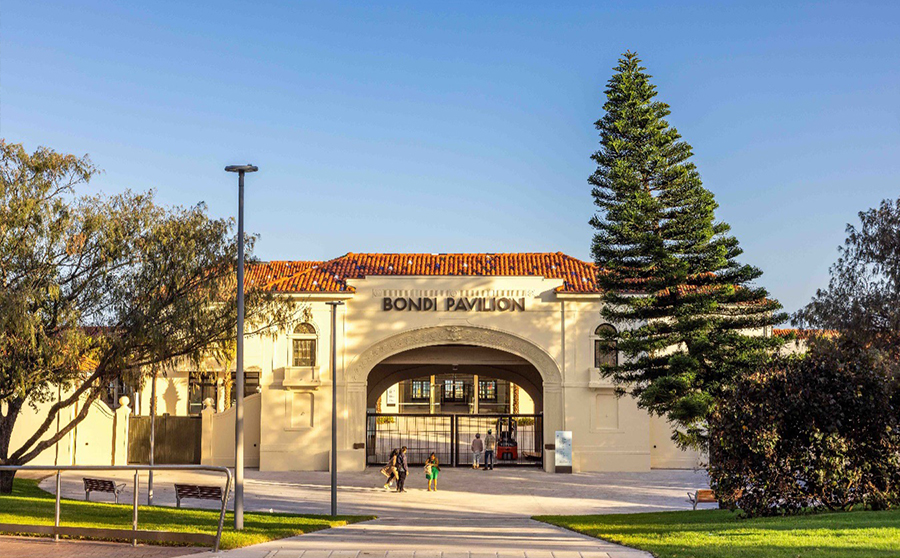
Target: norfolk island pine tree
<point x="689" y="317"/>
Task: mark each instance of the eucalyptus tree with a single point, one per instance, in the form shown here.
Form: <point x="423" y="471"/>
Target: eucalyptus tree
<point x="100" y="288"/>
<point x="862" y="300"/>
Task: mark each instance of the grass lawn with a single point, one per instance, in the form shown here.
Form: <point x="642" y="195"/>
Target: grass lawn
<point x="29" y="504"/>
<point x="708" y="533"/>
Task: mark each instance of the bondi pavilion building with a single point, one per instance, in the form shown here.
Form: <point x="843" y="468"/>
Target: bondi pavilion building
<point x="431" y="349"/>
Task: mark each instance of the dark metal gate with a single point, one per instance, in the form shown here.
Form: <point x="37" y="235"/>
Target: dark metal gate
<point x="520" y="438"/>
<point x="177" y="440"/>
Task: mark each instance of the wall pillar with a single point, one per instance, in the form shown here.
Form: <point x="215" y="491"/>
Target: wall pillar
<point x="206" y="432"/>
<point x="120" y="432"/>
<point x="431" y="395"/>
<point x="352" y="443"/>
<point x="553" y="421"/>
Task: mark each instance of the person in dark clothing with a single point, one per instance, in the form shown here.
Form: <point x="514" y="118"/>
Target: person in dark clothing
<point x="402" y="470"/>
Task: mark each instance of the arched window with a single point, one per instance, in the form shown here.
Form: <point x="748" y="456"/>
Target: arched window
<point x="606" y="351"/>
<point x="303" y="345"/>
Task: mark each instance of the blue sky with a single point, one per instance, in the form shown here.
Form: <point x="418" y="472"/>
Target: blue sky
<point x="463" y="126"/>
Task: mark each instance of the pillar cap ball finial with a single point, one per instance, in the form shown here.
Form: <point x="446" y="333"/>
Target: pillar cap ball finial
<point x="208" y="402"/>
<point x="124" y="401"/>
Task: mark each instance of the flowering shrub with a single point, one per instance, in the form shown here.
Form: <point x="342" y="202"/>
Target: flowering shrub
<point x="820" y="431"/>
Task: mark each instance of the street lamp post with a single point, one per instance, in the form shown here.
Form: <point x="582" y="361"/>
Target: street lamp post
<point x="334" y="304"/>
<point x="239" y="367"/>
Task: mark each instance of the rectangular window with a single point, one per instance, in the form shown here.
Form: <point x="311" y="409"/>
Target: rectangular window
<point x="202" y="386"/>
<point x="454" y="391"/>
<point x="604" y="353"/>
<point x="304" y="352"/>
<point x="114" y="390"/>
<point x="251" y="385"/>
<point x="420" y="390"/>
<point x="487" y="390"/>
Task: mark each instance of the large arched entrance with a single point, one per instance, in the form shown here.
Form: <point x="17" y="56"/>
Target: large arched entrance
<point x="466" y="380"/>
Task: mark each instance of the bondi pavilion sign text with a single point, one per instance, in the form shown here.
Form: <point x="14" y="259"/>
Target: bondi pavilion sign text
<point x="454" y="304"/>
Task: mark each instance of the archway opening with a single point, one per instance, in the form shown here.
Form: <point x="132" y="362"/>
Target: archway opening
<point x="438" y="398"/>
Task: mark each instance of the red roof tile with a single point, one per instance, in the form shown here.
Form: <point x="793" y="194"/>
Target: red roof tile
<point x="265" y="273"/>
<point x="804" y="333"/>
<point x="332" y="275"/>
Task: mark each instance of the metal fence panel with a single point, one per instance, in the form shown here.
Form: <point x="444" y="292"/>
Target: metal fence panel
<point x="138" y="439"/>
<point x="421" y="434"/>
<point x="520" y="437"/>
<point x="177" y="440"/>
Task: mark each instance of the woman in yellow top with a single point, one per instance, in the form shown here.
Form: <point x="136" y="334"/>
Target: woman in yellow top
<point x="432" y="468"/>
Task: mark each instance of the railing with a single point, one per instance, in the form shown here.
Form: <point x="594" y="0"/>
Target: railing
<point x="134" y="534"/>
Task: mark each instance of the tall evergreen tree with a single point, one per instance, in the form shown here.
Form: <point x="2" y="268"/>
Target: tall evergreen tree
<point x="689" y="317"/>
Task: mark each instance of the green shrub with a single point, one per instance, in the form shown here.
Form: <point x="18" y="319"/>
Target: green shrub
<point x="815" y="432"/>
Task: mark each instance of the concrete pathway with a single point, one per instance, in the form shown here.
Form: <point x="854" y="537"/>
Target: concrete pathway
<point x="475" y="513"/>
<point x="46" y="547"/>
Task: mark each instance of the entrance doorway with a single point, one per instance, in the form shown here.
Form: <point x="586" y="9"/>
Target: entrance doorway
<point x="499" y="367"/>
<point x="437" y="398"/>
<point x="520" y="439"/>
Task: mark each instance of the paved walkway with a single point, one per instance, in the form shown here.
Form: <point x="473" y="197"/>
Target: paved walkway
<point x="475" y="513"/>
<point x="32" y="547"/>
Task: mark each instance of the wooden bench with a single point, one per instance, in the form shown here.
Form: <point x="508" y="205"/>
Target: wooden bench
<point x="703" y="496"/>
<point x="198" y="492"/>
<point x="102" y="485"/>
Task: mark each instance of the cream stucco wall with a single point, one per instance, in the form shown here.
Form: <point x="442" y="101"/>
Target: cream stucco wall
<point x="217" y="440"/>
<point x="100" y="439"/>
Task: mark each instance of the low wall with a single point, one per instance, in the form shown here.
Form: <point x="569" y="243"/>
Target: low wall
<point x="664" y="454"/>
<point x="217" y="438"/>
<point x="100" y="439"/>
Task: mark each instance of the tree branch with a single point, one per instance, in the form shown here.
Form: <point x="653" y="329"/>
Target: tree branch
<point x="51" y="415"/>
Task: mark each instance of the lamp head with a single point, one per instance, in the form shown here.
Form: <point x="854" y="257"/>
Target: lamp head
<point x="241" y="168"/>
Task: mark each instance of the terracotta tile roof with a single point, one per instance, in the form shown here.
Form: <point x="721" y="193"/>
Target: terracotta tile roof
<point x="266" y="273"/>
<point x="332" y="275"/>
<point x="804" y="333"/>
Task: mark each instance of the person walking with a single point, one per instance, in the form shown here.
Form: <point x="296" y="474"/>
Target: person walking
<point x="390" y="469"/>
<point x="490" y="443"/>
<point x="402" y="470"/>
<point x="477" y="450"/>
<point x="432" y="468"/>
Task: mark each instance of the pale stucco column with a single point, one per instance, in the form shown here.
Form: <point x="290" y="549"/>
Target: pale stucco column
<point x="352" y="409"/>
<point x="553" y="420"/>
<point x="206" y="432"/>
<point x="120" y="435"/>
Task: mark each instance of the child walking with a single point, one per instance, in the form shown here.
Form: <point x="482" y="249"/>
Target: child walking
<point x="432" y="468"/>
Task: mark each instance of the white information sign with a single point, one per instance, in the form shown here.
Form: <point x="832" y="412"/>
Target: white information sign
<point x="564" y="451"/>
<point x="390" y="399"/>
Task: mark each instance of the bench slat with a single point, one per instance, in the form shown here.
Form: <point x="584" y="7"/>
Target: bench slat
<point x="99" y="485"/>
<point x="199" y="492"/>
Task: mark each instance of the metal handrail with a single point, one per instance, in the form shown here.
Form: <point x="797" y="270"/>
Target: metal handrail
<point x="144" y="535"/>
